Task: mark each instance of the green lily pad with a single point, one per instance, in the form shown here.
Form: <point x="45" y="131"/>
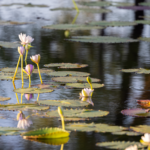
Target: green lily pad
<point x="101" y="39"/>
<point x="118" y="4"/>
<point x="12" y="23"/>
<point x="137" y="112"/>
<point x="66" y="65"/>
<point x="68" y="73"/>
<point x="81" y="113"/>
<point x="75" y="119"/>
<point x="46" y="86"/>
<point x="74" y="79"/>
<point x="113" y="23"/>
<point x="95" y="3"/>
<point x="128" y="133"/>
<point x="72" y="27"/>
<point x="9" y="44"/>
<point x="66" y="103"/>
<point x="32" y="90"/>
<point x="141" y="129"/>
<point x="88" y="10"/>
<point x="4" y="98"/>
<point x="29" y="106"/>
<point x="84" y="127"/>
<point x="145" y="3"/>
<point x="143" y="22"/>
<point x="139" y="71"/>
<point x="146" y="39"/>
<point x="119" y="144"/>
<point x="130" y="70"/>
<point x="46" y="133"/>
<point x="25" y="5"/>
<point x="84" y="85"/>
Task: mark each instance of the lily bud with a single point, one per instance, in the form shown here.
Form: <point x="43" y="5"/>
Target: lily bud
<point x="21" y="50"/>
<point x="28" y="96"/>
<point x="60" y="111"/>
<point x="36" y="58"/>
<point x="28" y="69"/>
<point x="89" y="80"/>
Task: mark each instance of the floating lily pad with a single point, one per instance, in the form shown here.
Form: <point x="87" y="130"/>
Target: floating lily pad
<point x="4" y="98"/>
<point x="9" y="44"/>
<point x="66" y="103"/>
<point x="75" y="119"/>
<point x="68" y="73"/>
<point x="95" y="3"/>
<point x="144" y="103"/>
<point x="139" y="71"/>
<point x="128" y="133"/>
<point x="141" y="129"/>
<point x="119" y="144"/>
<point x="32" y="90"/>
<point x="84" y="127"/>
<point x="74" y="79"/>
<point x="12" y="23"/>
<point x="122" y="4"/>
<point x="130" y="70"/>
<point x="145" y="4"/>
<point x="42" y="70"/>
<point x="113" y="23"/>
<point x="46" y="133"/>
<point x="51" y="141"/>
<point x="101" y="39"/>
<point x="66" y="65"/>
<point x="84" y="85"/>
<point x="23" y="107"/>
<point x="72" y="27"/>
<point x="146" y="39"/>
<point x="135" y="7"/>
<point x="46" y="86"/>
<point x="137" y="112"/>
<point x="88" y="10"/>
<point x="25" y="5"/>
<point x="81" y="113"/>
<point x="143" y="22"/>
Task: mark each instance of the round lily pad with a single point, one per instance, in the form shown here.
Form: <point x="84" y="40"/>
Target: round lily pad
<point x="84" y="85"/>
<point x="46" y="86"/>
<point x="130" y="70"/>
<point x="9" y="44"/>
<point x="74" y="79"/>
<point x="46" y="133"/>
<point x="81" y="113"/>
<point x="66" y="103"/>
<point x="139" y="71"/>
<point x="119" y="144"/>
<point x="4" y="98"/>
<point x="32" y="90"/>
<point x="68" y="73"/>
<point x="137" y="112"/>
<point x="66" y="65"/>
<point x="141" y="129"/>
<point x="128" y="133"/>
<point x="75" y="119"/>
<point x="144" y="103"/>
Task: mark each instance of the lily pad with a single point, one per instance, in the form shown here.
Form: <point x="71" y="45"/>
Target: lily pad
<point x="101" y="39"/>
<point x="144" y="103"/>
<point x="29" y="106"/>
<point x="119" y="144"/>
<point x="74" y="79"/>
<point x="143" y="22"/>
<point x="46" y="86"/>
<point x="9" y="44"/>
<point x="66" y="103"/>
<point x="146" y="39"/>
<point x="68" y="73"/>
<point x="137" y="112"/>
<point x="84" y="85"/>
<point x="130" y="70"/>
<point x="66" y="65"/>
<point x="84" y="127"/>
<point x="141" y="129"/>
<point x="72" y="27"/>
<point x="12" y="23"/>
<point x="46" y="133"/>
<point x="128" y="133"/>
<point x="32" y="90"/>
<point x="122" y="4"/>
<point x="25" y="5"/>
<point x="139" y="71"/>
<point x="81" y="113"/>
<point x="113" y="23"/>
<point x="4" y="98"/>
<point x="145" y="4"/>
<point x="87" y="10"/>
<point x="75" y="119"/>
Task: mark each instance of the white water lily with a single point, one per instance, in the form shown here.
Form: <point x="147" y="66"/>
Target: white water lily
<point x="25" y="40"/>
<point x="36" y="58"/>
<point x="132" y="148"/>
<point x="88" y="100"/>
<point x="86" y="92"/>
<point x="146" y="138"/>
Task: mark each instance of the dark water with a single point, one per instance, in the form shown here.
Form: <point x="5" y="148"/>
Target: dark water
<point x="120" y="92"/>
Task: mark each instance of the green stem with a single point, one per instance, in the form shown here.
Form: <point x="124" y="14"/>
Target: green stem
<point x="29" y="81"/>
<point x="21" y="98"/>
<point x="16" y="68"/>
<point x="38" y="97"/>
<point x="17" y="98"/>
<point x="63" y="123"/>
<point x="39" y="74"/>
<point x="148" y="148"/>
<point x="22" y="70"/>
<point x="75" y="18"/>
<point x="26" y="56"/>
<point x="91" y="89"/>
<point x="75" y="5"/>
<point x="62" y="147"/>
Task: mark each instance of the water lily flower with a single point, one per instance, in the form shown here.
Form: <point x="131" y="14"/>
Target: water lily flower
<point x="22" y="121"/>
<point x="21" y="50"/>
<point x="146" y="138"/>
<point x="28" y="70"/>
<point x="88" y="100"/>
<point x="36" y="59"/>
<point x="28" y="96"/>
<point x="132" y="148"/>
<point x="86" y="92"/>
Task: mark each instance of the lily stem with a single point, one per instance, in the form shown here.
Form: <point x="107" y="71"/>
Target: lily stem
<point x="63" y="123"/>
<point x="62" y="147"/>
<point x="29" y="81"/>
<point x="38" y="96"/>
<point x="26" y="56"/>
<point x="75" y="5"/>
<point x="16" y="68"/>
<point x="21" y="98"/>
<point x="22" y="70"/>
<point x="17" y="98"/>
<point x="39" y="74"/>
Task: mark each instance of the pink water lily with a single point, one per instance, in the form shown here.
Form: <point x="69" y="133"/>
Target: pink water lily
<point x="28" y="96"/>
<point x="28" y="69"/>
<point x="36" y="58"/>
<point x="25" y="40"/>
<point x="86" y="92"/>
<point x="21" y="50"/>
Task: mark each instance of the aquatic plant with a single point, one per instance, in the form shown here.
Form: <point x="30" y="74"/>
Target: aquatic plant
<point x="28" y="96"/>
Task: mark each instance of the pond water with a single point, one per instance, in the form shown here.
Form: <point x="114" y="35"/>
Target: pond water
<point x="104" y="61"/>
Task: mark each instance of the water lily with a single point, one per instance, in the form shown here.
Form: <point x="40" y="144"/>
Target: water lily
<point x="132" y="148"/>
<point x="28" y="96"/>
<point x="88" y="100"/>
<point x="36" y="59"/>
<point x="146" y="138"/>
<point x="86" y="92"/>
<point x="21" y="50"/>
<point x="28" y="70"/>
<point x="22" y="121"/>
